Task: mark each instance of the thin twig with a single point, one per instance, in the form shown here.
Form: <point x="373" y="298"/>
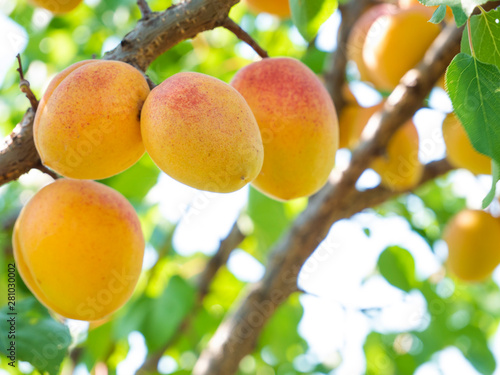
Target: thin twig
<point x="24" y="85"/>
<point x="144" y="8"/>
<point x="204" y="280"/>
<point x="44" y="169"/>
<point x="244" y="36"/>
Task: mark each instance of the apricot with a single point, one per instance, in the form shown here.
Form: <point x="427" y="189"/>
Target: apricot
<point x="201" y="132"/>
<point x="352" y="121"/>
<point x="472" y="237"/>
<point x="298" y="124"/>
<point x="280" y="8"/>
<point x="459" y="150"/>
<point x="57" y="6"/>
<point x="400" y="168"/>
<point x="79" y="247"/>
<point x="359" y="32"/>
<point x="87" y="124"/>
<point x="395" y="43"/>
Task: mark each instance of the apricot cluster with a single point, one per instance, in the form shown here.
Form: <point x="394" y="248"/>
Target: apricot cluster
<point x="275" y="126"/>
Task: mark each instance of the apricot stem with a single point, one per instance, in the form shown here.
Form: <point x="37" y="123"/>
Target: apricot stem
<point x="24" y="85"/>
<point x="244" y="36"/>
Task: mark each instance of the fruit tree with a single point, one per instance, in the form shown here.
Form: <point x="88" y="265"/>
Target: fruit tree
<point x="219" y="187"/>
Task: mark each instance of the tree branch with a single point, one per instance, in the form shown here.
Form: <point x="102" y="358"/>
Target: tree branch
<point x="161" y="31"/>
<point x="244" y="36"/>
<point x="219" y="259"/>
<point x="238" y="334"/>
<point x="18" y="153"/>
<point x="335" y="76"/>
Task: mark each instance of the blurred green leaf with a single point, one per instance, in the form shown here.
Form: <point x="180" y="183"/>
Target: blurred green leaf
<point x="309" y="15"/>
<point x="398" y="267"/>
<point x="268" y="216"/>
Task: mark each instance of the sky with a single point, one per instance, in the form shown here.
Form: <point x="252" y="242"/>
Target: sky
<point x="332" y="324"/>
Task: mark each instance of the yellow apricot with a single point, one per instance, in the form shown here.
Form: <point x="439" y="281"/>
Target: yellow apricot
<point x="396" y="43"/>
<point x="352" y="121"/>
<point x="201" y="132"/>
<point x="57" y="6"/>
<point x="298" y="124"/>
<point x="400" y="169"/>
<point x="472" y="237"/>
<point x="359" y="33"/>
<point x="280" y="8"/>
<point x="79" y="247"/>
<point x="87" y="124"/>
<point x="459" y="150"/>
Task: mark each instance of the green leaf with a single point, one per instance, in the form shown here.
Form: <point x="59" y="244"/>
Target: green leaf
<point x="495" y="174"/>
<point x="485" y="32"/>
<point x="39" y="339"/>
<point x="136" y="181"/>
<point x="474" y="90"/>
<point x="439" y="14"/>
<point x="398" y="267"/>
<point x="159" y="318"/>
<point x="476" y="350"/>
<point x="269" y="218"/>
<point x="461" y="9"/>
<point x="309" y="15"/>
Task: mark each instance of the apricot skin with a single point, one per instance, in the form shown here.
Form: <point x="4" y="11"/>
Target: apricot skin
<point x="400" y="168"/>
<point x="459" y="150"/>
<point x="359" y="33"/>
<point x="396" y="43"/>
<point x="352" y="121"/>
<point x="57" y="6"/>
<point x="79" y="247"/>
<point x="280" y="8"/>
<point x="298" y="124"/>
<point x="472" y="237"/>
<point x="201" y="132"/>
<point x="87" y="123"/>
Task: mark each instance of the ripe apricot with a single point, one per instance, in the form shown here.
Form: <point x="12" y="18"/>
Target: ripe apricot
<point x="79" y="247"/>
<point x="459" y="150"/>
<point x="200" y="131"/>
<point x="352" y="121"/>
<point x="359" y="33"/>
<point x="395" y="43"/>
<point x="298" y="124"/>
<point x="57" y="6"/>
<point x="87" y="123"/>
<point x="280" y="8"/>
<point x="472" y="237"/>
<point x="399" y="168"/>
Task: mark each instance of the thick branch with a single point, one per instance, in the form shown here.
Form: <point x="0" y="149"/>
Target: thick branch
<point x="237" y="335"/>
<point x="18" y="153"/>
<point x="244" y="36"/>
<point x="161" y="31"/>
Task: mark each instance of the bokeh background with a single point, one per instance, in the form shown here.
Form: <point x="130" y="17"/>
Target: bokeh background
<point x="348" y="319"/>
